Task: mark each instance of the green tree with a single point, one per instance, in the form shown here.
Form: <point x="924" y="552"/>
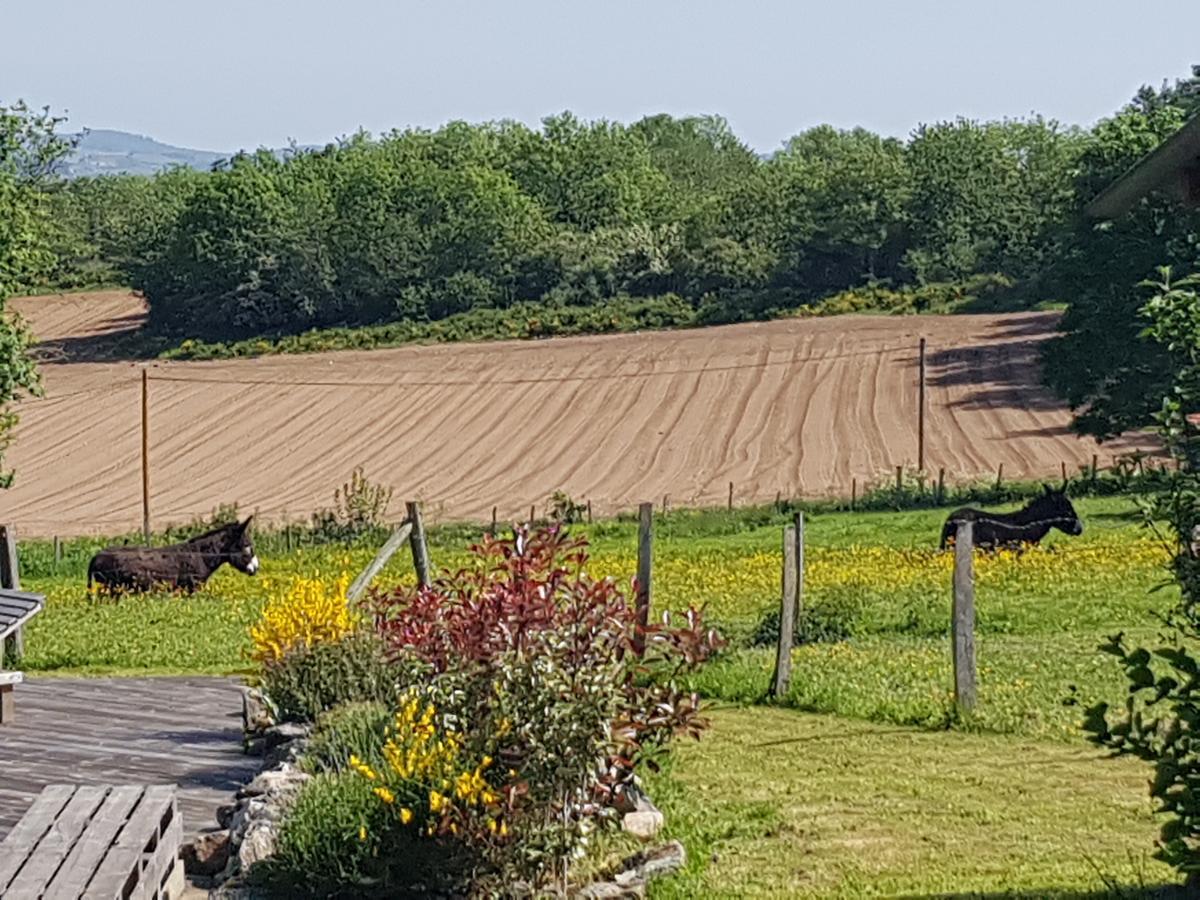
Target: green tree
<point x="28" y="151"/>
<point x="1160" y="715"/>
<point x="987" y="197"/>
<point x="1110" y="375"/>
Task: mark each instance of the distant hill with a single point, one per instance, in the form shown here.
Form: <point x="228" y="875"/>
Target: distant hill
<point x="102" y="151"/>
<point x="105" y="152"/>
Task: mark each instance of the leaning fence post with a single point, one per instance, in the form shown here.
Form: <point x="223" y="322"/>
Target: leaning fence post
<point x="363" y="581"/>
<point x="963" y="617"/>
<point x="10" y="579"/>
<point x="790" y="603"/>
<point x="642" y="601"/>
<point x="420" y="549"/>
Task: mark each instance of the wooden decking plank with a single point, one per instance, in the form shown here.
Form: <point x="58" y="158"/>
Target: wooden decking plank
<point x="101" y="835"/>
<point x="15" y="848"/>
<point x="43" y="864"/>
<point x="127" y="731"/>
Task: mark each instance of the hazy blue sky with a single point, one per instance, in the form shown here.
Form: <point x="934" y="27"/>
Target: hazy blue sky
<point x="227" y="75"/>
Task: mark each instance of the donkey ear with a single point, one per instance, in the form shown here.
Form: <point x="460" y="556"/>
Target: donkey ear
<point x="1047" y="488"/>
<point x="245" y="525"/>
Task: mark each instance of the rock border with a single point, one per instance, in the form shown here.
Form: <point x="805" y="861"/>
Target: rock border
<point x="248" y="829"/>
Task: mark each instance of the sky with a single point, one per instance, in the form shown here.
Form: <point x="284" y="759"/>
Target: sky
<point x="228" y="76"/>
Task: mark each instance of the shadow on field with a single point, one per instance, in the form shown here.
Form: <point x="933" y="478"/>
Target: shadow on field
<point x="1142" y="892"/>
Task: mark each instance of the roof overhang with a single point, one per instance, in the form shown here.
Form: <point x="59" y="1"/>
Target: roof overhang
<point x="1173" y="167"/>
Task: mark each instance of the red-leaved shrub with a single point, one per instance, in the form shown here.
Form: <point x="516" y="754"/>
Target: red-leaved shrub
<point x="536" y="665"/>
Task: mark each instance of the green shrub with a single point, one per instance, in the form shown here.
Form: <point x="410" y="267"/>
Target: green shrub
<point x="310" y="680"/>
<point x="358" y="728"/>
<point x="333" y="843"/>
<point x="834" y="619"/>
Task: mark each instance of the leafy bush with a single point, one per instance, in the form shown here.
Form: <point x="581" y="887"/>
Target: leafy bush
<point x="308" y="680"/>
<point x="355" y="729"/>
<point x="359" y="508"/>
<point x="307" y="613"/>
<point x="566" y="510"/>
<point x="335" y="842"/>
<point x="1162" y="710"/>
<point x="524" y="660"/>
<point x="827" y="622"/>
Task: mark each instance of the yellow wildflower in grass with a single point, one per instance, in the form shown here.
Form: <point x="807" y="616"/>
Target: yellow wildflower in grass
<point x="406" y="815"/>
<point x="385" y="795"/>
<point x="308" y="612"/>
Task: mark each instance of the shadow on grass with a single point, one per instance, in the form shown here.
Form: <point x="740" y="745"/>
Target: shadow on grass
<point x="1143" y="892"/>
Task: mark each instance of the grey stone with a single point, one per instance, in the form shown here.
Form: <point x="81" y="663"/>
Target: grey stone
<point x="610" y="890"/>
<point x="663" y="859"/>
<point x="207" y="854"/>
<point x="644" y="825"/>
<point x="286" y="779"/>
<point x="284" y="732"/>
<point x="256" y="716"/>
<point x="258" y="843"/>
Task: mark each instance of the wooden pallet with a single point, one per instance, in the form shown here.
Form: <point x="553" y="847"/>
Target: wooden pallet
<point x="16" y="608"/>
<point x="95" y="842"/>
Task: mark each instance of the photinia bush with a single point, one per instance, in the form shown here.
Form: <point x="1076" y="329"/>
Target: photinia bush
<point x="534" y="667"/>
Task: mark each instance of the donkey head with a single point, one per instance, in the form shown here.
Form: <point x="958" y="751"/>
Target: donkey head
<point x="1055" y="507"/>
<point x="239" y="549"/>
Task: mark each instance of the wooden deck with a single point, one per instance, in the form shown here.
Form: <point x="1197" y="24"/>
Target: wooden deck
<point x="185" y="731"/>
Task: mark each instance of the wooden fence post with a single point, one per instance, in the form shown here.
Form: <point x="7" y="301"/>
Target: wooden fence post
<point x="963" y="617"/>
<point x="731" y="496"/>
<point x="941" y="488"/>
<point x="1095" y="467"/>
<point x="899" y="478"/>
<point x="363" y="581"/>
<point x="58" y="551"/>
<point x="921" y="411"/>
<point x="146" y="454"/>
<point x="787" y="616"/>
<point x="666" y="503"/>
<point x="532" y="513"/>
<point x="999" y="476"/>
<point x="645" y="545"/>
<point x="420" y="550"/>
<point x="10" y="578"/>
<point x="493" y="531"/>
<point x="853" y="493"/>
<point x="1064" y="471"/>
<point x="589" y="514"/>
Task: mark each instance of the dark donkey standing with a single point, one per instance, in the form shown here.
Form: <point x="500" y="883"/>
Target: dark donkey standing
<point x="178" y="566"/>
<point x="995" y="531"/>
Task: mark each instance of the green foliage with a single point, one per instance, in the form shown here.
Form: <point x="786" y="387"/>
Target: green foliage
<point x="355" y="728"/>
<point x="334" y="843"/>
<point x="359" y="508"/>
<point x="1163" y="704"/>
<point x="986" y="197"/>
<point x="310" y="680"/>
<point x="1101" y="364"/>
<point x="520" y="321"/>
<point x="29" y="148"/>
<point x="566" y="510"/>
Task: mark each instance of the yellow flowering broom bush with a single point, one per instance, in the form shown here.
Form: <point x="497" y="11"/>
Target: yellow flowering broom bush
<point x="313" y="652"/>
<point x="309" y="611"/>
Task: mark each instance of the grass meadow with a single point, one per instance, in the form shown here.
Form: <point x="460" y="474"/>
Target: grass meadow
<point x="849" y="786"/>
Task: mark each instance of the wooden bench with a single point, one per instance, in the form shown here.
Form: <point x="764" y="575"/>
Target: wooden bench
<point x="95" y="842"/>
<point x="16" y="609"/>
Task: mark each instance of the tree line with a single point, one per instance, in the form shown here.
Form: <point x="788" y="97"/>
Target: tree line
<point x="674" y="214"/>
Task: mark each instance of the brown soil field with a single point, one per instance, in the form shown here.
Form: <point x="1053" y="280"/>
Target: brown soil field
<point x="798" y="407"/>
